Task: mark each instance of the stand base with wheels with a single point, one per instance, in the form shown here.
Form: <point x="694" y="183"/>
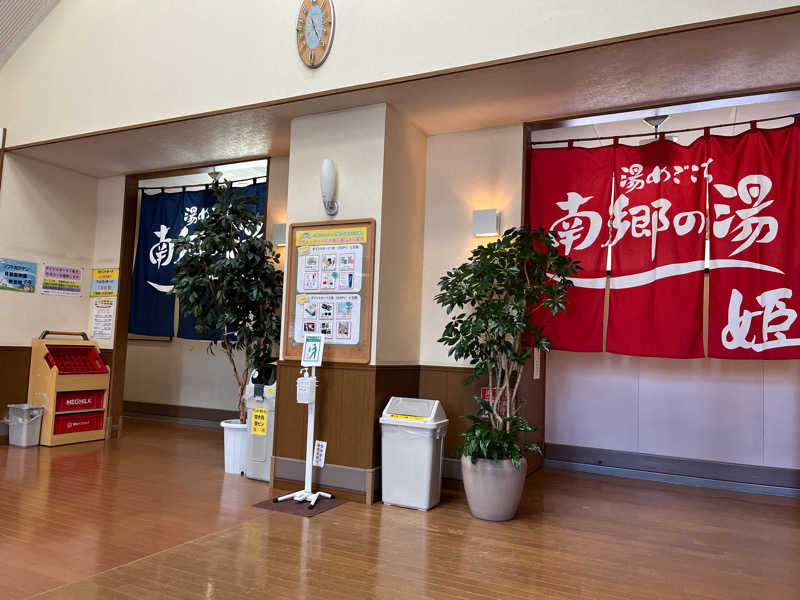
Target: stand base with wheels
<point x="304" y="496"/>
<point x="306" y="388"/>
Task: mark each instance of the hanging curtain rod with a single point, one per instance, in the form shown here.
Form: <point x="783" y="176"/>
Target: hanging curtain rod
<point x="205" y="185"/>
<point x="650" y="133"/>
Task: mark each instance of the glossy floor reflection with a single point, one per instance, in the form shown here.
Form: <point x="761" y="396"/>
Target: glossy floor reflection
<point x="576" y="536"/>
<point x="73" y="511"/>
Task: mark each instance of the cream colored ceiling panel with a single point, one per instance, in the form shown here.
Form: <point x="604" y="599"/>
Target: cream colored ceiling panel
<point x="18" y="18"/>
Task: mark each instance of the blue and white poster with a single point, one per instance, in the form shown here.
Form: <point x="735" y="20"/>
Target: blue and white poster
<point x="163" y="218"/>
<point x="17" y="275"/>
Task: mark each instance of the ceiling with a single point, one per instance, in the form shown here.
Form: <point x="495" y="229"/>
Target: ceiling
<point x="713" y="62"/>
<point x="242" y="173"/>
<point x="18" y="18"/>
<point x="740" y="111"/>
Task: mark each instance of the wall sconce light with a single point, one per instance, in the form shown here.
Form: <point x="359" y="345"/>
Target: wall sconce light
<point x="486" y="223"/>
<point x="327" y="184"/>
<point x="279" y="234"/>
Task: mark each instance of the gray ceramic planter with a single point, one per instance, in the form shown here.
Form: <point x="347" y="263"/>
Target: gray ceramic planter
<point x="494" y="487"/>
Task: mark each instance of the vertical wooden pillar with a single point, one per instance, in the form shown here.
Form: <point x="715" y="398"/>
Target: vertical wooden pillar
<point x="127" y="245"/>
<point x="2" y="153"/>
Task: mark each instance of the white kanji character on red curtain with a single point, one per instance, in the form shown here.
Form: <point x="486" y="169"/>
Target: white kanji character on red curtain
<point x="752" y="191"/>
<point x="578" y="229"/>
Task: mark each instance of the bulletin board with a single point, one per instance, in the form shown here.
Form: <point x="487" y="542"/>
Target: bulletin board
<point x="329" y="279"/>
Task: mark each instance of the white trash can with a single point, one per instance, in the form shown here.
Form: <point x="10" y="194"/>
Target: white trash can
<point x="261" y="422"/>
<point x="412" y="445"/>
<point x="235" y="446"/>
<point x="24" y="424"/>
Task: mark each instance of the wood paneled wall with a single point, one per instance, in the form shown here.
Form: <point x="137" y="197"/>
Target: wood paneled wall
<point x="15" y="364"/>
<point x="352" y="397"/>
<point x="447" y="384"/>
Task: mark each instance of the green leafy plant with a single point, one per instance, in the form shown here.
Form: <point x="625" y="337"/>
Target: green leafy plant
<point x="227" y="278"/>
<point x="490" y="300"/>
<point x="482" y="440"/>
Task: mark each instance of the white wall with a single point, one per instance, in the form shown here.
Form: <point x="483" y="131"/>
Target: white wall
<point x="402" y="240"/>
<point x="47" y="214"/>
<point x="354" y="139"/>
<point x="98" y="65"/>
<point x="466" y="171"/>
<point x="738" y="411"/>
<point x="108" y="232"/>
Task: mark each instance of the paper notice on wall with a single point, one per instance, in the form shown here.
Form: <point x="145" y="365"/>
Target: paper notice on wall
<point x="537" y="363"/>
<point x="335" y="316"/>
<point x="17" y="275"/>
<point x="61" y="280"/>
<point x="103" y="318"/>
<point x="105" y="282"/>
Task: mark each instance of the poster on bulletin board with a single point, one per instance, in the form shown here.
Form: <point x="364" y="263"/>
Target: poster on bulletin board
<point x="329" y="281"/>
<point x="61" y="280"/>
<point x="17" y="275"/>
<point x="105" y="282"/>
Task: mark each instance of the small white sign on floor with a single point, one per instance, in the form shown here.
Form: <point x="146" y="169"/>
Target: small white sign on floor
<point x="319" y="453"/>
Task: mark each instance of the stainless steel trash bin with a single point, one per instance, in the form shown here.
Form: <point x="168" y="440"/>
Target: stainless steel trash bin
<point x="24" y="424"/>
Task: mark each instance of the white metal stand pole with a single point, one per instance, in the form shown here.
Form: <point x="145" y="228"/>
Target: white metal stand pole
<point x="310" y="439"/>
<point x="306" y="495"/>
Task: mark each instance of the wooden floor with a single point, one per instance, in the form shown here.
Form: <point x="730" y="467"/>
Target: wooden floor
<point x="576" y="536"/>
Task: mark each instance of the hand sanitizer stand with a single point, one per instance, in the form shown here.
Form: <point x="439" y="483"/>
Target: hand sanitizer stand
<point x="306" y="394"/>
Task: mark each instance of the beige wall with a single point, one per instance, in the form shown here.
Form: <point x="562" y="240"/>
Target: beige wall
<point x="108" y="231"/>
<point x="278" y="192"/>
<point x="179" y="372"/>
<point x="466" y="171"/>
<point x="60" y="75"/>
<point x="47" y="214"/>
<point x="354" y="140"/>
<point x="402" y="225"/>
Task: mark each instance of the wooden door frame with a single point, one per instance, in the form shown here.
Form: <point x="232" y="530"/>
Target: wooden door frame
<point x="126" y="260"/>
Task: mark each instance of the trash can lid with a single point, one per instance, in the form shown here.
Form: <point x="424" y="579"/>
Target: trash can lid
<point x="413" y="412"/>
<point x="26" y="406"/>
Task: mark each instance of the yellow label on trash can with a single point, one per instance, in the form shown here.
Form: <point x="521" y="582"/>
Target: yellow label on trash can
<point x="410" y="417"/>
<point x="259" y="423"/>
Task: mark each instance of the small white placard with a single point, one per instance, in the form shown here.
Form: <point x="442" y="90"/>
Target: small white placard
<point x="537" y="363"/>
<point x="319" y="453"/>
<point x="313" y="344"/>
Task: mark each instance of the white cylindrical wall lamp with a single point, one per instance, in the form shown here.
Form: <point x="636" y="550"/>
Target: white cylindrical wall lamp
<point x="327" y="184"/>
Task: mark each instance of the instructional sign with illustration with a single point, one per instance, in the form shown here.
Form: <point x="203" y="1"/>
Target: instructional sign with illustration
<point x="330" y="268"/>
<point x="17" y="275"/>
<point x="335" y="316"/>
<point x="328" y="284"/>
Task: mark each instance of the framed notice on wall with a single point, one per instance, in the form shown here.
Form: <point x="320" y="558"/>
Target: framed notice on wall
<point x="329" y="279"/>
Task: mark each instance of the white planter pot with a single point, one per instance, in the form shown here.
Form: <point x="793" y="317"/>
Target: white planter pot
<point x="493" y="487"/>
<point x="235" y="446"/>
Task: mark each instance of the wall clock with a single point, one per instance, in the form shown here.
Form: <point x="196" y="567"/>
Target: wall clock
<point x="315" y="23"/>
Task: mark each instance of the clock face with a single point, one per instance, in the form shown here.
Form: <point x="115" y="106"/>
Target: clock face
<point x="315" y="23"/>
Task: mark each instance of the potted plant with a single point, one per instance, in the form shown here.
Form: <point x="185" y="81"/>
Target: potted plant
<point x="491" y="299"/>
<point x="227" y="278"/>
